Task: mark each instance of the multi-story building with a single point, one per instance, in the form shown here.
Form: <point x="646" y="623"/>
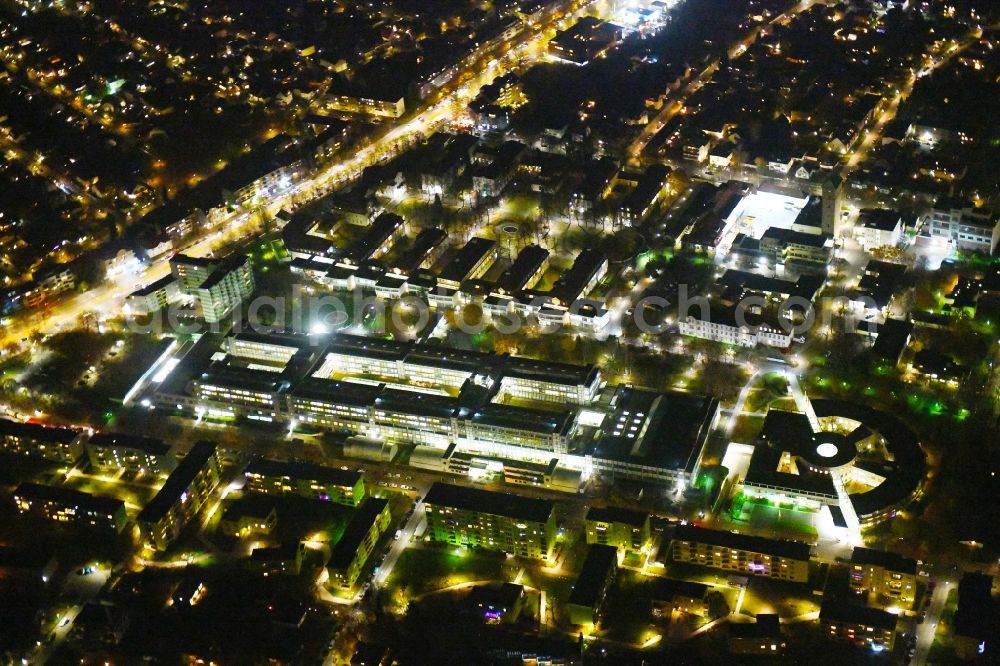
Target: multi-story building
<point x="382" y="107"/>
<point x="281" y="560"/>
<point x="273" y="477"/>
<point x="783" y="560"/>
<point x="495" y="521"/>
<point x="653" y="436"/>
<point x="864" y="626"/>
<point x="180" y="498"/>
<point x="762" y="637"/>
<point x="225" y="288"/>
<point x="376" y="241"/>
<point x="71" y="507"/>
<point x="524" y="378"/>
<point x="154" y="296"/>
<point x="425" y="418"/>
<point x="528" y="266"/>
<point x="739" y="328"/>
<point x="219" y="286"/>
<point x="589" y="267"/>
<point x="591" y="587"/>
<point x="115" y="451"/>
<point x="625" y="529"/>
<point x="977" y="619"/>
<point x="584" y="41"/>
<point x="878" y="227"/>
<point x="247" y="516"/>
<point x="270" y="349"/>
<point x="788" y="245"/>
<point x="678" y="596"/>
<point x="471" y="262"/>
<point x="483" y="468"/>
<point x="349" y="555"/>
<point x="29" y="439"/>
<point x="886" y="578"/>
<point x="963" y="226"/>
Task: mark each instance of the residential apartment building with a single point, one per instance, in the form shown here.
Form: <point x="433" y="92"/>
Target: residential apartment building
<point x="885" y="578"/>
<point x="71" y="507"/>
<point x="225" y="288"/>
<point x="284" y="559"/>
<point x="112" y="451"/>
<point x="181" y="497"/>
<point x="495" y="521"/>
<point x="761" y="637"/>
<point x="218" y="286"/>
<point x="273" y="477"/>
<point x="591" y="587"/>
<point x="60" y="445"/>
<point x="625" y="529"/>
<point x="678" y="596"/>
<point x="349" y="555"/>
<point x="154" y="296"/>
<point x="783" y="560"/>
<point x="247" y="516"/>
<point x="866" y="627"/>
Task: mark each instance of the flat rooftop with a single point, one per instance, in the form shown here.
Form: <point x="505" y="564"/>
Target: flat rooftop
<point x="178" y="482"/>
<point x="671" y="428"/>
<point x="357" y="529"/>
<point x="303" y="471"/>
<point x="68" y="497"/>
<point x="614" y="514"/>
<point x="36" y="431"/>
<point x="795" y="550"/>
<point x="593" y="575"/>
<point x="849" y="613"/>
<point x="890" y="561"/>
<point x="508" y="505"/>
<point x="150" y="445"/>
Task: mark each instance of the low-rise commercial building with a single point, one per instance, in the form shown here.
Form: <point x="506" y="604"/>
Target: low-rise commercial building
<point x="885" y="578"/>
<point x="71" y="507"/>
<point x="864" y="626"/>
<point x="273" y="477"/>
<point x="348" y="557"/>
<point x="783" y="560"/>
<point x="591" y="587"/>
<point x="30" y="439"/>
<point x="181" y="497"/>
<point x="495" y="521"/>
<point x="111" y="451"/>
<point x="625" y="529"/>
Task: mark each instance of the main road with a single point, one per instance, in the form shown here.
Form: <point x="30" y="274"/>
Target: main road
<point x="489" y="60"/>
